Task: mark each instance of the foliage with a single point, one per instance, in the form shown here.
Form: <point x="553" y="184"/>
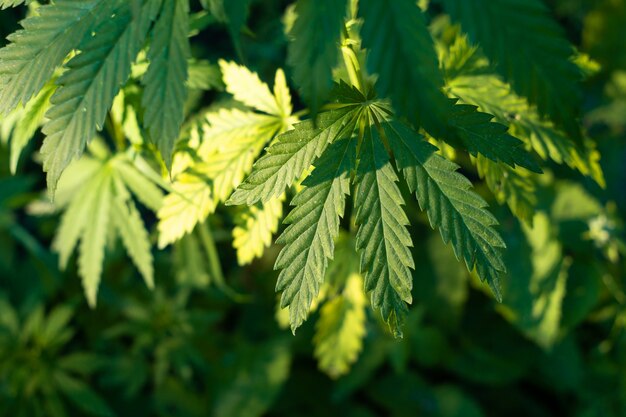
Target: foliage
<point x="424" y="149"/>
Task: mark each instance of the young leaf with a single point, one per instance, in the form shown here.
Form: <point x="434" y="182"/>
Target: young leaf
<point x="5" y="4"/>
<point x="46" y="39"/>
<point x="231" y="143"/>
<point x="292" y="153"/>
<point x="313" y="50"/>
<point x="341" y="328"/>
<point x="452" y="207"/>
<point x="383" y="240"/>
<point x="165" y="90"/>
<point x="254" y="227"/>
<point x="529" y="49"/>
<point x="313" y="226"/>
<point x="31" y="118"/>
<point x="87" y="89"/>
<point x="246" y="87"/>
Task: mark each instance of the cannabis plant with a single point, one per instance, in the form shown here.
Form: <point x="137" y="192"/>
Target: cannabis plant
<point x="390" y="100"/>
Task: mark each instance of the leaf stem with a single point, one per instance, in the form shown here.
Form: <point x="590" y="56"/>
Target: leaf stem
<point x="215" y="268"/>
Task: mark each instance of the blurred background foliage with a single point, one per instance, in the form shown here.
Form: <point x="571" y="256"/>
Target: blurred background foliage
<point x="208" y="340"/>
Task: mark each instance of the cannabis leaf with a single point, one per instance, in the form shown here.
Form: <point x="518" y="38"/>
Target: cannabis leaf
<point x="529" y="49"/>
<point x="292" y="154"/>
<point x="480" y="135"/>
<point x="254" y="227"/>
<point x="165" y="90"/>
<point x="87" y="89"/>
<point x="382" y="238"/>
<point x="401" y="52"/>
<point x="230" y="141"/>
<point x="313" y="51"/>
<point x="340" y="328"/>
<point x="47" y="37"/>
<point x="452" y="206"/>
<point x="4" y="4"/>
<point x="516" y="187"/>
<point x="97" y="201"/>
<point x="313" y="226"/>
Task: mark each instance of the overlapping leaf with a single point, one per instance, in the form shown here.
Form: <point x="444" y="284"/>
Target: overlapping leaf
<point x="313" y="50"/>
<point x="451" y="205"/>
<point x="165" y="90"/>
<point x="93" y="79"/>
<point x="313" y="226"/>
<point x="383" y="240"/>
<point x="529" y="49"/>
<point x="96" y="205"/>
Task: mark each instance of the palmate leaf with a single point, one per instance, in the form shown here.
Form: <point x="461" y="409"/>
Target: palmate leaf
<point x="492" y="95"/>
<point x="254" y="227"/>
<point x="165" y="90"/>
<point x="529" y="49"/>
<point x="451" y="205"/>
<point x="340" y="329"/>
<point x="313" y="226"/>
<point x="292" y="154"/>
<point x="312" y="52"/>
<point x="232" y="141"/>
<point x="95" y="207"/>
<point x="382" y="240"/>
<point x="93" y="79"/>
<point x="401" y="52"/>
<point x="46" y="39"/>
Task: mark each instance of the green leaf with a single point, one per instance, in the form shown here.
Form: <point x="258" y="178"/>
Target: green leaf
<point x="313" y="226"/>
<point x="493" y="96"/>
<point x="516" y="187"/>
<point x="452" y="207"/>
<point x="165" y="81"/>
<point x="93" y="239"/>
<point x="46" y="39"/>
<point x="292" y="153"/>
<point x="261" y="373"/>
<point x="87" y="89"/>
<point x="127" y="221"/>
<point x="401" y="52"/>
<point x="313" y="50"/>
<point x="341" y="328"/>
<point x="534" y="294"/>
<point x="482" y="136"/>
<point x="231" y="143"/>
<point x="31" y="118"/>
<point x="383" y="240"/>
<point x="82" y="395"/>
<point x="98" y="208"/>
<point x="247" y="87"/>
<point x="5" y="4"/>
<point x="529" y="49"/>
<point x="254" y="227"/>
